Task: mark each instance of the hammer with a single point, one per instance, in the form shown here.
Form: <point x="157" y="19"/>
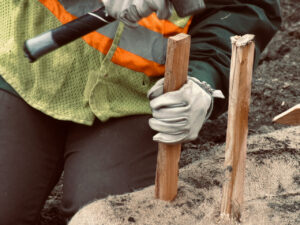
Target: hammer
<point x="51" y="40"/>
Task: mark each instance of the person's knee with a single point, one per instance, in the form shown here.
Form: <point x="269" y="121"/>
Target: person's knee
<point x="70" y="205"/>
<point x="74" y="199"/>
<point x="83" y="216"/>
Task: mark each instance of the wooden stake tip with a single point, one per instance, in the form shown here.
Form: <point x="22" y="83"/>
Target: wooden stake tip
<point x="179" y="37"/>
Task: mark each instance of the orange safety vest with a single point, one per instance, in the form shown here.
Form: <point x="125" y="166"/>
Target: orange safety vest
<point x="141" y="50"/>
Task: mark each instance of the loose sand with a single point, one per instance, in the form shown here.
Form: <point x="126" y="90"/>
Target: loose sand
<point x="272" y="190"/>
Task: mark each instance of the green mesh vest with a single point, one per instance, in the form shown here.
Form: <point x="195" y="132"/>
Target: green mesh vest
<point x="76" y="82"/>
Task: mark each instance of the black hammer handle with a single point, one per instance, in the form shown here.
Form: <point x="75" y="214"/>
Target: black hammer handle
<point x="53" y="39"/>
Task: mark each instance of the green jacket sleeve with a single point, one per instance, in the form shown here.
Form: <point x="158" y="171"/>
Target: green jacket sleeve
<point x="211" y="31"/>
<point x="188" y="7"/>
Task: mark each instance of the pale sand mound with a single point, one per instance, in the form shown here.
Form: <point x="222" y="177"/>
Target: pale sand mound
<point x="272" y="190"/>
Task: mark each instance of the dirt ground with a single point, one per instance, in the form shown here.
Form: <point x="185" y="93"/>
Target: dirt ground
<point x="271" y="195"/>
<point x="275" y="88"/>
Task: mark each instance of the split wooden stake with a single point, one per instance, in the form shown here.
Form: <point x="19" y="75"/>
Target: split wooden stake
<point x="177" y="61"/>
<point x="289" y="117"/>
<point x="237" y="127"/>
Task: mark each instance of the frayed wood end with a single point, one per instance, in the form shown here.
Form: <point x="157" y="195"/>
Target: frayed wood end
<point x="244" y="40"/>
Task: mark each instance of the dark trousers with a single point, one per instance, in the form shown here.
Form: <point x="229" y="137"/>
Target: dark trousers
<point x="114" y="157"/>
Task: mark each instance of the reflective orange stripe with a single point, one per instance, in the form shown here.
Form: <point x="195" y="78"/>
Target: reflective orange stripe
<point x="94" y="39"/>
<point x="98" y="41"/>
<point x="58" y="10"/>
<point x="164" y="27"/>
<point x="127" y="59"/>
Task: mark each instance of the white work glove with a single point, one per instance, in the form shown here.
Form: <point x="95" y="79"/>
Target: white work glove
<point x="131" y="11"/>
<point x="179" y="115"/>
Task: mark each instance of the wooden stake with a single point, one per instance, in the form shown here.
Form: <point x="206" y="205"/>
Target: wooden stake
<point x="177" y="61"/>
<point x="237" y="127"/>
<point x="289" y="117"/>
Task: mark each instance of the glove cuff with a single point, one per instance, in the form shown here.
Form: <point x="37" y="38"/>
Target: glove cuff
<point x="212" y="93"/>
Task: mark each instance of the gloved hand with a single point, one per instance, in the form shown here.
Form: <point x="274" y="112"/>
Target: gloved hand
<point x="179" y="115"/>
<point x="131" y="11"/>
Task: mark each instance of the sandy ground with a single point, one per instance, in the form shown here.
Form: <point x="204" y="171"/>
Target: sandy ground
<point x="275" y="88"/>
<point x="272" y="190"/>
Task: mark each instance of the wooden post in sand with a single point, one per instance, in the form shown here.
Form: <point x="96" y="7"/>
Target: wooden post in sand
<point x="237" y="127"/>
<point x="177" y="61"/>
<point x="289" y="117"/>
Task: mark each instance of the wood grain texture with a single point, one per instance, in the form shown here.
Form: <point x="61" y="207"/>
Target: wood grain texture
<point x="237" y="127"/>
<point x="177" y="62"/>
<point x="289" y="117"/>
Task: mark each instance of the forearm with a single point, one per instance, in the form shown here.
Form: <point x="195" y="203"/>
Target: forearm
<point x="211" y="31"/>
